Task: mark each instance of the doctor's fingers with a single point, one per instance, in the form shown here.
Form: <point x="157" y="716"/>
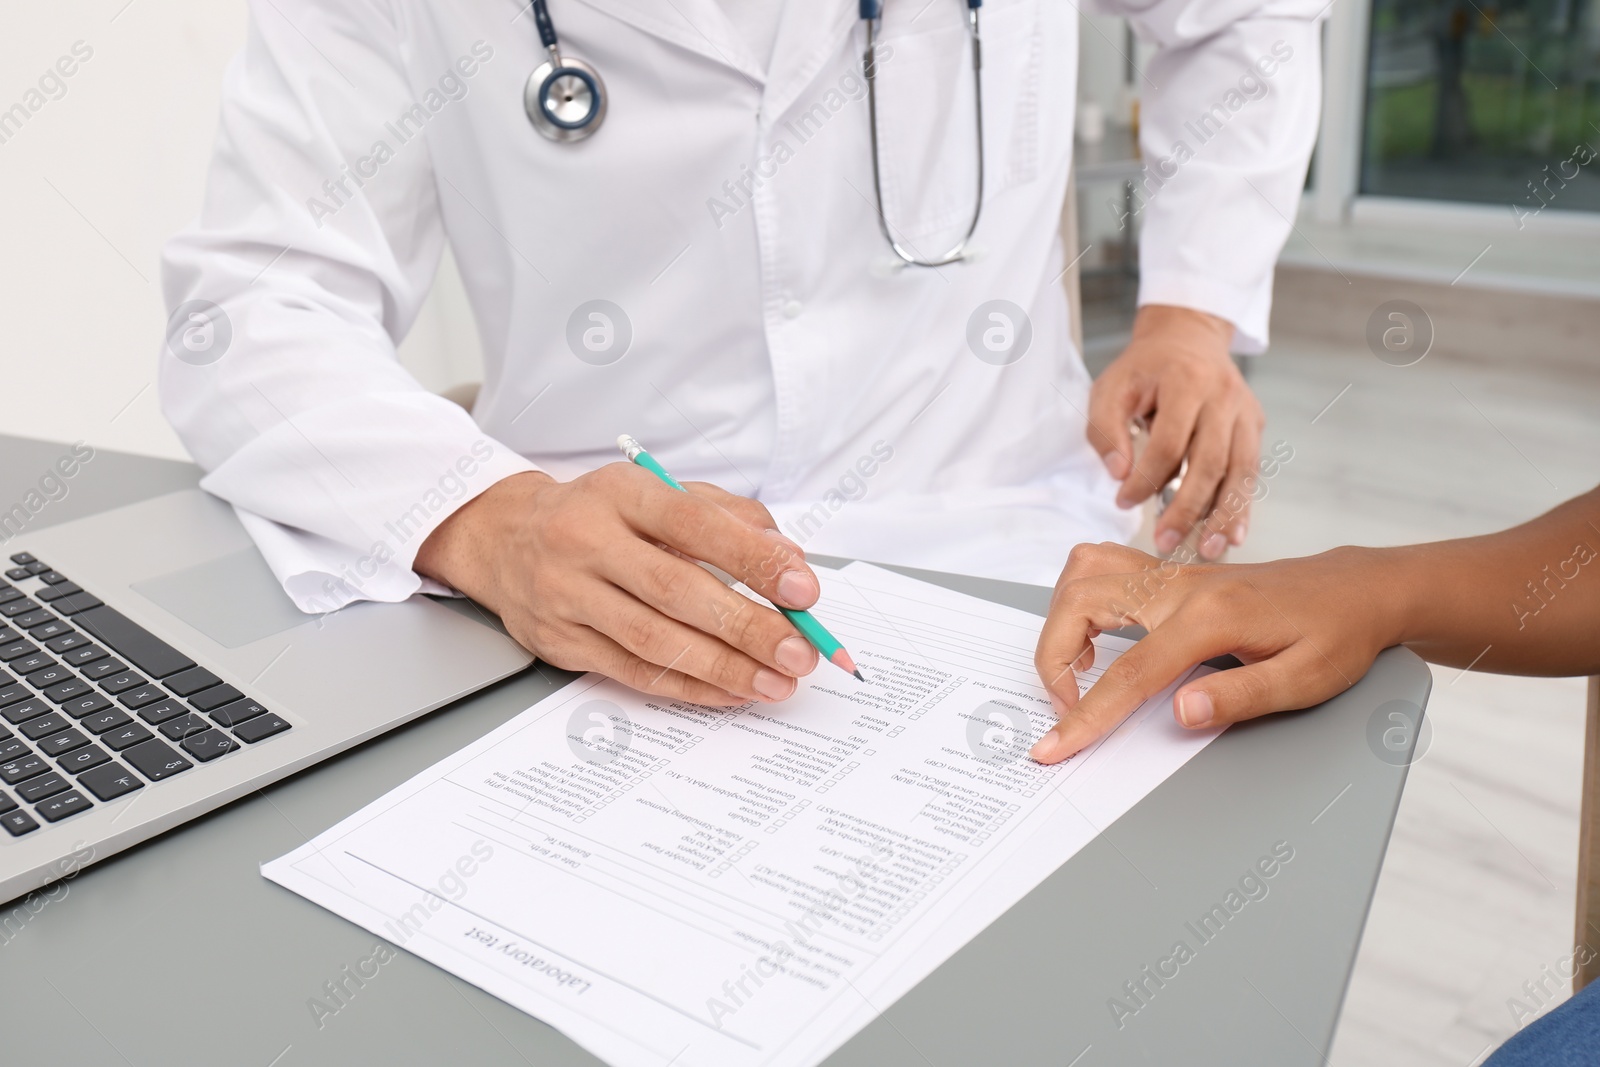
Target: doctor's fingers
<point x="1115" y="398"/>
<point x="1172" y="429"/>
<point x="669" y="645"/>
<point x="1144" y="670"/>
<point x="1209" y="453"/>
<point x="1229" y="520"/>
<point x="690" y="594"/>
<point x="587" y="649"/>
<point x="753" y="512"/>
<point x="694" y="526"/>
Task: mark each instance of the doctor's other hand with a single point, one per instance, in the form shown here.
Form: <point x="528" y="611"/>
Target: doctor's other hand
<point x="595" y="574"/>
<point x="1306" y="630"/>
<point x="1178" y="373"/>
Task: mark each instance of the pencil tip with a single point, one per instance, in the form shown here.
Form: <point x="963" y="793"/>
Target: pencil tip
<point x="857" y="673"/>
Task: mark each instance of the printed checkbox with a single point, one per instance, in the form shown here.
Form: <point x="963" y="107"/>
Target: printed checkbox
<point x="870" y="752"/>
<point x="579" y="818"/>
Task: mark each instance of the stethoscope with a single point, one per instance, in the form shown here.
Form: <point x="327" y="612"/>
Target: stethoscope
<point x="566" y="101"/>
<point x="565" y="98"/>
<point x="872" y="14"/>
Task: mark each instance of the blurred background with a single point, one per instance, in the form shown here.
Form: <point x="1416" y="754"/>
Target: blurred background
<point x="1454" y="171"/>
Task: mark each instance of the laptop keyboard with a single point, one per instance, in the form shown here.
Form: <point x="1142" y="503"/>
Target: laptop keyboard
<point x="93" y="706"/>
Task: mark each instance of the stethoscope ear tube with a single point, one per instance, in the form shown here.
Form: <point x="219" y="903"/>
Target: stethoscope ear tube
<point x="869" y="69"/>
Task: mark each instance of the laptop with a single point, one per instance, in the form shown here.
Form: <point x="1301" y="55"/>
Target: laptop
<point x="152" y="669"/>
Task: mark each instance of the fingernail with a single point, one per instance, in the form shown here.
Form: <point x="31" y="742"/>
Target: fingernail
<point x="796" y="656"/>
<point x="797" y="589"/>
<point x="1237" y="536"/>
<point x="1213" y="545"/>
<point x="1117" y="465"/>
<point x="1044" y="750"/>
<point x="1167" y="540"/>
<point x="1194" y="708"/>
<point x="773" y="685"/>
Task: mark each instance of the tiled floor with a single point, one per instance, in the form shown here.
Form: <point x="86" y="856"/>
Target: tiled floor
<point x="1476" y="895"/>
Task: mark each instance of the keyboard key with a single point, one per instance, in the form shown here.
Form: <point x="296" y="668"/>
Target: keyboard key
<point x="20" y="606"/>
<point x="28" y="709"/>
<point x="6" y="803"/>
<point x="191" y="681"/>
<point x="5" y="735"/>
<point x="260" y="728"/>
<point x="124" y="736"/>
<point x="12" y="750"/>
<point x="9" y="593"/>
<point x="52" y="577"/>
<point x="58" y="592"/>
<point x="82" y="759"/>
<point x="215" y="697"/>
<point x="48" y="633"/>
<point x="110" y="781"/>
<point x="71" y="605"/>
<point x="133" y="642"/>
<point x="19" y="769"/>
<point x="118" y="683"/>
<point x="207" y="746"/>
<point x="18" y="822"/>
<point x="156" y="760"/>
<point x="8" y="635"/>
<point x="138" y="698"/>
<point x="22" y="559"/>
<point x="36" y="789"/>
<point x="36" y="567"/>
<point x="96" y="671"/>
<point x="37" y="661"/>
<point x="237" y="712"/>
<point x="74" y="687"/>
<point x="63" y="640"/>
<point x="62" y="743"/>
<point x="101" y="721"/>
<point x="85" y="705"/>
<point x="29" y="619"/>
<point x="14" y="692"/>
<point x="15" y="649"/>
<point x="156" y="714"/>
<point x="177" y="729"/>
<point x="61" y="805"/>
<point x="81" y="654"/>
<point x="44" y="726"/>
<point x="16" y="574"/>
<point x="45" y="677"/>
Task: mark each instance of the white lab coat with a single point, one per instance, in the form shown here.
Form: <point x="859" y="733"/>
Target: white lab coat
<point x="771" y="344"/>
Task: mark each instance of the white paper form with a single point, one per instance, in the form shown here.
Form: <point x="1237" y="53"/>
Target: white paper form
<point x="670" y="884"/>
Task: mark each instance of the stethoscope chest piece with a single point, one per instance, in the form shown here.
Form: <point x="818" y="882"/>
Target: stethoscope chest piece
<point x="565" y="99"/>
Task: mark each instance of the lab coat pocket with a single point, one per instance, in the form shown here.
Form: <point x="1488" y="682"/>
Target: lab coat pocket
<point x="927" y="125"/>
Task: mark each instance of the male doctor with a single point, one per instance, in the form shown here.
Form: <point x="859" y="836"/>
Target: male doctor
<point x="707" y="273"/>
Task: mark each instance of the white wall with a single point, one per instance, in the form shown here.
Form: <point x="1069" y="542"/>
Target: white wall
<point x="92" y="184"/>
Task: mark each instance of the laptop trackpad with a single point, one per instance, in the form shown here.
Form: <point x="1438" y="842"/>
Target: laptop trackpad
<point x="234" y="600"/>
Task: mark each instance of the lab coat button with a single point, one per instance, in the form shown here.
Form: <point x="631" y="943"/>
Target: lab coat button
<point x="792" y="309"/>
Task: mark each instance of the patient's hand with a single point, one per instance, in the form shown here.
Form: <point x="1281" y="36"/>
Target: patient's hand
<point x="595" y="575"/>
<point x="1306" y="629"/>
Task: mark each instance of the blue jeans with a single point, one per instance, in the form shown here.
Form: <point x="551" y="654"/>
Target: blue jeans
<point x="1568" y="1036"/>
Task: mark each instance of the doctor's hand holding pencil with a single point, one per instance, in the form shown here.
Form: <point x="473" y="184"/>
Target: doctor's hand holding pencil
<point x="597" y="573"/>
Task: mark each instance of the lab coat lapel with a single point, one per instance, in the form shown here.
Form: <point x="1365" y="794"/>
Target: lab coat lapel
<point x="698" y="26"/>
<point x="809" y="34"/>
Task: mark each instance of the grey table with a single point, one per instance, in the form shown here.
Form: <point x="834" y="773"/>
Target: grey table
<point x="179" y="952"/>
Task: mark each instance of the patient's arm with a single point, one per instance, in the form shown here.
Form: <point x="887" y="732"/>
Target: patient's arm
<point x="1524" y="601"/>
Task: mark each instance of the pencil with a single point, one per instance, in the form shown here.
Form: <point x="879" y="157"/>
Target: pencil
<point x="812" y="630"/>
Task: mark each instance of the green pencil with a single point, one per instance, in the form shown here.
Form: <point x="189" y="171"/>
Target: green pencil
<point x="804" y="621"/>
